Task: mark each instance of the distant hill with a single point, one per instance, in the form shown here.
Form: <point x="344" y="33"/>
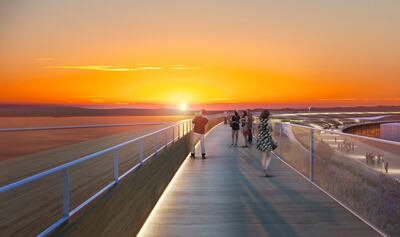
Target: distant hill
<point x="10" y="110"/>
<point x="66" y="111"/>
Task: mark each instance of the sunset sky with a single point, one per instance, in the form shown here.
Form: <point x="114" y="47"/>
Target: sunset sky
<point x="209" y="53"/>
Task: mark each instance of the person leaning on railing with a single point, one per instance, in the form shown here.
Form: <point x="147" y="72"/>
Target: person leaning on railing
<point x="199" y="122"/>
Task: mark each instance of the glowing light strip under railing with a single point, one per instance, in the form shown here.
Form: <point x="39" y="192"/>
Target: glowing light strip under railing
<point x="186" y="128"/>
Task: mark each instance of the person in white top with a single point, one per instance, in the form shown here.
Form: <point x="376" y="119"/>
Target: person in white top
<point x="245" y="127"/>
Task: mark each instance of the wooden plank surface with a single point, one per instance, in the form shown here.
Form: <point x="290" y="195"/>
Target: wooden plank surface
<point x="227" y="195"/>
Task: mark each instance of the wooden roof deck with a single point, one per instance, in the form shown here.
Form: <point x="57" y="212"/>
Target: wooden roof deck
<point x="227" y="195"/>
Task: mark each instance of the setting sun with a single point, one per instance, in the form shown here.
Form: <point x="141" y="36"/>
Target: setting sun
<point x="183" y="107"/>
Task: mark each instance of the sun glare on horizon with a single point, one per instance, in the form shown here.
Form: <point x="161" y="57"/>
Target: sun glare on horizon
<point x="183" y="107"/>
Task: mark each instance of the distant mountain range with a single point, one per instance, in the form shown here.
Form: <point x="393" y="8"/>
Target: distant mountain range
<point x="10" y="110"/>
<point x="66" y="111"/>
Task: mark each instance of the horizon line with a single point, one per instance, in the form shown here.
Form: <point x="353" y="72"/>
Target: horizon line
<point x="194" y="107"/>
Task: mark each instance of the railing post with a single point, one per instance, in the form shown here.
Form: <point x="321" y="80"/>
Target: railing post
<point x="155" y="144"/>
<point x="173" y="134"/>
<point x="179" y="131"/>
<point x="116" y="166"/>
<point x="184" y="129"/>
<point x="141" y="151"/>
<point x="66" y="193"/>
<point x="311" y="175"/>
<point x="166" y="138"/>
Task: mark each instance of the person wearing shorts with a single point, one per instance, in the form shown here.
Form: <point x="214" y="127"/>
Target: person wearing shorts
<point x="245" y="127"/>
<point x="235" y="125"/>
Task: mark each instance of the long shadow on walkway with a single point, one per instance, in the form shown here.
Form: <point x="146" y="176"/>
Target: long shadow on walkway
<point x="226" y="195"/>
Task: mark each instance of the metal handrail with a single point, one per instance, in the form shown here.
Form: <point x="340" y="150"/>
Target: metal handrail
<point x="345" y="134"/>
<point x="184" y="127"/>
<point x="341" y="133"/>
<point x="24" y="129"/>
<point x="43" y="174"/>
<point x="310" y="176"/>
<point x="334" y="113"/>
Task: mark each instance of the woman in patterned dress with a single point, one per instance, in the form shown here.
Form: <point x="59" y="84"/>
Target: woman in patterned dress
<point x="265" y="144"/>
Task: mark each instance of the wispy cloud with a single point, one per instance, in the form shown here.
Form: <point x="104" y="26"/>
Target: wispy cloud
<point x="97" y="100"/>
<point x="148" y="98"/>
<point x="93" y="97"/>
<point x="44" y="59"/>
<point x="361" y="99"/>
<point x="221" y="99"/>
<point x="101" y="98"/>
<point x="124" y="68"/>
<point x="341" y="99"/>
<point x="392" y="99"/>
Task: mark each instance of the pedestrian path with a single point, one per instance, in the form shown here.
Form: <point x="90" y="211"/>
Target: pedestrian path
<point x="361" y="148"/>
<point x="227" y="195"/>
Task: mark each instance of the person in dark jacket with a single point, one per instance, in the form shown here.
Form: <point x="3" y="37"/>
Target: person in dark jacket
<point x="265" y="144"/>
<point x="250" y="126"/>
<point x="235" y="124"/>
<point x="245" y="129"/>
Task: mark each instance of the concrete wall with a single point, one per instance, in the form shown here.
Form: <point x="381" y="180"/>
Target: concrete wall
<point x="123" y="210"/>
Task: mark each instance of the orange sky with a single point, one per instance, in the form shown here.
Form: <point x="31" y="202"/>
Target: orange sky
<point x="254" y="53"/>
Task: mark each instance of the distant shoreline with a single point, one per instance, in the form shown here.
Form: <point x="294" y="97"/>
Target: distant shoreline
<point x="7" y="110"/>
<point x="64" y="111"/>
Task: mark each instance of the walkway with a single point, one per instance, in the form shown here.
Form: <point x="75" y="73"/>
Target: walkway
<point x="226" y="195"/>
<point x="390" y="152"/>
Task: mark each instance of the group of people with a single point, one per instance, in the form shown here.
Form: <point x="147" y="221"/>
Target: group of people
<point x="265" y="143"/>
<point x="243" y="122"/>
<point x="376" y="160"/>
<point x="346" y="146"/>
